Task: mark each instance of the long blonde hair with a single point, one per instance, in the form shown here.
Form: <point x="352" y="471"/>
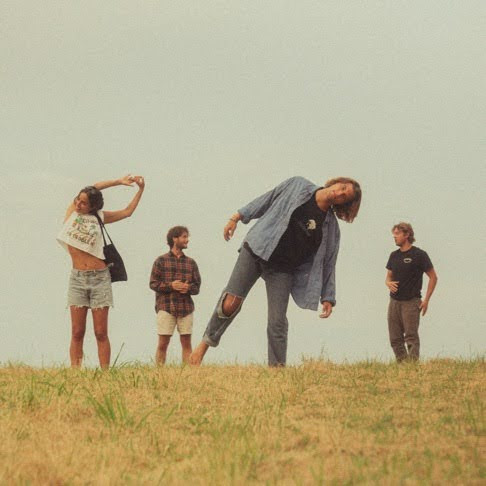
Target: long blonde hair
<point x="349" y="210"/>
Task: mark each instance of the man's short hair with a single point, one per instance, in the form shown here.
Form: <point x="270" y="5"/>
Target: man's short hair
<point x="405" y="228"/>
<point x="175" y="232"/>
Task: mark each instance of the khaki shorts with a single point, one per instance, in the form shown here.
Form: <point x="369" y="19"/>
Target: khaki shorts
<point x="166" y="323"/>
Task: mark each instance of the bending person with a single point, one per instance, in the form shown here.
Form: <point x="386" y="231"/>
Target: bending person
<point x="90" y="282"/>
<point x="293" y="246"/>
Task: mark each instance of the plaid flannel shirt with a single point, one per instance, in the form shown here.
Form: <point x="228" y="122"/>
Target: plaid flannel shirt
<point x="165" y="270"/>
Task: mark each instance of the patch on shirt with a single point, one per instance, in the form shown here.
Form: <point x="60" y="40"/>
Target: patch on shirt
<point x="407" y="260"/>
<point x="311" y="224"/>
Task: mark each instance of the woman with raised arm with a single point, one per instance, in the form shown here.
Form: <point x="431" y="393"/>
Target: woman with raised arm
<point x="90" y="281"/>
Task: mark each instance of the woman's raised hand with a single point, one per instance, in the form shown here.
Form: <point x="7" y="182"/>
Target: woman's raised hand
<point x="139" y="180"/>
<point x="127" y="180"/>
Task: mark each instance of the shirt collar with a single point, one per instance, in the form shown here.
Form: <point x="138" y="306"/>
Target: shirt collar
<point x="174" y="256"/>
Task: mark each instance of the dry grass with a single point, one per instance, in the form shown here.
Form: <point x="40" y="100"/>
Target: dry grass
<point x="317" y="423"/>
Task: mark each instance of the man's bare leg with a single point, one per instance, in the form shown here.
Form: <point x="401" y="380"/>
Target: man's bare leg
<point x="186" y="347"/>
<point x="162" y="345"/>
<point x="198" y="354"/>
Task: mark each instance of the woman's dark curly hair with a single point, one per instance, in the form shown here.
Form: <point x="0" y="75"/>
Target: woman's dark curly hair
<point x="95" y="198"/>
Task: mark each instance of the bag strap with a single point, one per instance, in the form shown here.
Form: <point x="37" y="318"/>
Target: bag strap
<point x="103" y="230"/>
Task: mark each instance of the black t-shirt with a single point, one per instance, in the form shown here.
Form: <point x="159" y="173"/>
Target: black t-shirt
<point x="408" y="268"/>
<point x="301" y="239"/>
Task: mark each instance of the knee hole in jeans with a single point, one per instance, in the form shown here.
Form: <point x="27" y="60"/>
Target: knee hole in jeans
<point x="230" y="305"/>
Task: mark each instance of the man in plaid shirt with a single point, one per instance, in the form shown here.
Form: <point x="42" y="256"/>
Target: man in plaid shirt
<point x="174" y="278"/>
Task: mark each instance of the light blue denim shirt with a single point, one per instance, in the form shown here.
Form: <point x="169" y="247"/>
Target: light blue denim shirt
<point x="315" y="280"/>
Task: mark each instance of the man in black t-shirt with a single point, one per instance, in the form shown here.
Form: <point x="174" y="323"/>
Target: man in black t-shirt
<point x="405" y="269"/>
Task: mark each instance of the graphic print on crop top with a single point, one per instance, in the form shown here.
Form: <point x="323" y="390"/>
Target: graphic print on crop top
<point x="82" y="231"/>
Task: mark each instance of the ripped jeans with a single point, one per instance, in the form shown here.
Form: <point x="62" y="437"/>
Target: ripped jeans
<point x="248" y="269"/>
<point x="90" y="288"/>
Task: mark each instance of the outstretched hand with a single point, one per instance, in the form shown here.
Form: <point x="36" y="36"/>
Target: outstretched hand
<point x="326" y="310"/>
<point x="229" y="229"/>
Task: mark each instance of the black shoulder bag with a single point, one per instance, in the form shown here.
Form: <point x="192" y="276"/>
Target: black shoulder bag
<point x="112" y="257"/>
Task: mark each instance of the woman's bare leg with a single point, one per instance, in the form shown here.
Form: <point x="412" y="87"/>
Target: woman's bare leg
<point x="78" y="330"/>
<point x="100" y="324"/>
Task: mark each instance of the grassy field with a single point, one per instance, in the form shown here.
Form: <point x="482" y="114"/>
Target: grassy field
<point x="317" y="423"/>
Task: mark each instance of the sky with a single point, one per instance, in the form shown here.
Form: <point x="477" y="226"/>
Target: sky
<point x="214" y="103"/>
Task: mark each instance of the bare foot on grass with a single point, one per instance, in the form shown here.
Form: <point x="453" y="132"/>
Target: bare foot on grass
<point x="198" y="354"/>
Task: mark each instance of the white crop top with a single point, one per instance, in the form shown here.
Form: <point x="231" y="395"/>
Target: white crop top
<point x="83" y="231"/>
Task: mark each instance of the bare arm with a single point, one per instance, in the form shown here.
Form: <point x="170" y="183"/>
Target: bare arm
<point x="122" y="181"/>
<point x="112" y="216"/>
<point x="390" y="283"/>
<point x="69" y="211"/>
<point x="430" y="289"/>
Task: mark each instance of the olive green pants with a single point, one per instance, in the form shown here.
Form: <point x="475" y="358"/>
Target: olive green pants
<point x="403" y="324"/>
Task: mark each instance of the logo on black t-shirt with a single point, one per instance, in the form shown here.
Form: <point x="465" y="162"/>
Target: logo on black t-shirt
<point x="311" y="224"/>
<point x="408" y="269"/>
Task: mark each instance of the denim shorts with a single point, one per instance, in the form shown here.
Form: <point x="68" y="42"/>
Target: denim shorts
<point x="90" y="288"/>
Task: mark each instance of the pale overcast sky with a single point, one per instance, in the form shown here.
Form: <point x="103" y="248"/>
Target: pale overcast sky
<point x="214" y="103"/>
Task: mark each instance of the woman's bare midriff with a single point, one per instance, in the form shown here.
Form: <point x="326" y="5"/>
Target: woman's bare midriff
<point x="85" y="261"/>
